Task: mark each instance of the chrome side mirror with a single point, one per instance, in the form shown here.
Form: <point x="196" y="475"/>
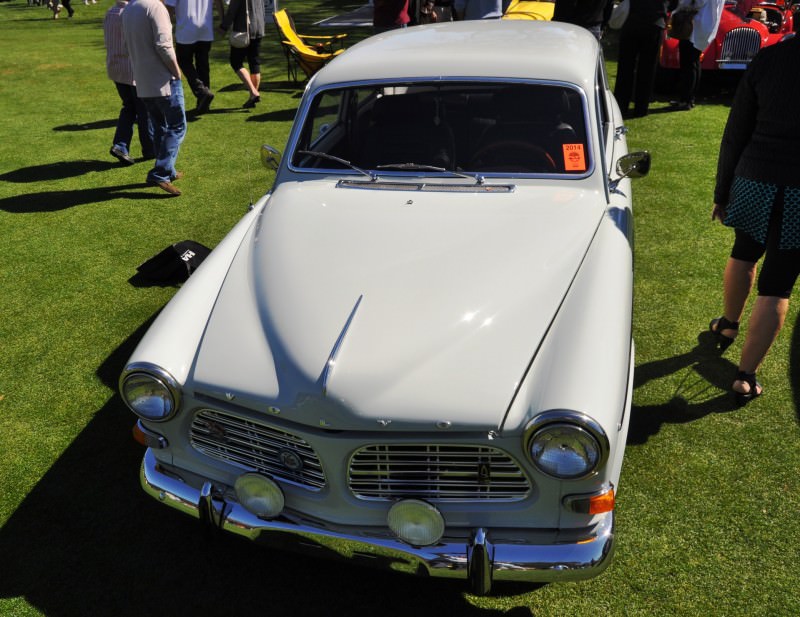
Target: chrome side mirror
<point x="632" y="165"/>
<point x="270" y="157"/>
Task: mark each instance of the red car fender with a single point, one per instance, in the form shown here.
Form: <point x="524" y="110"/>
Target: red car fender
<point x="782" y="23"/>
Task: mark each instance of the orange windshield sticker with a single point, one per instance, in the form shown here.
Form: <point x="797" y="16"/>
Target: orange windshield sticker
<point x="574" y="158"/>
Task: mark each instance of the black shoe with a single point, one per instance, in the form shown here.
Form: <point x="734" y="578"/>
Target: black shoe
<point x="681" y="105"/>
<point x="251" y="102"/>
<point x="121" y="156"/>
<point x="754" y="388"/>
<point x="204" y="102"/>
<point x="717" y="326"/>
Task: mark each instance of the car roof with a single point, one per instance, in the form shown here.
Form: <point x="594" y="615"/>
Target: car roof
<point x="484" y="49"/>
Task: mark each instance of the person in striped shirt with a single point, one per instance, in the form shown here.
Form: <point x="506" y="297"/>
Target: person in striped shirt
<point x="118" y="67"/>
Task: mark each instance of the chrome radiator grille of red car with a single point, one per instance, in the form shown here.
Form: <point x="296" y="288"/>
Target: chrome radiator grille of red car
<point x="256" y="447"/>
<point x="740" y="45"/>
<point x="437" y="473"/>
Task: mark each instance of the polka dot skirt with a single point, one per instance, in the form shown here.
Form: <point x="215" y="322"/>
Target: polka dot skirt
<point x="750" y="208"/>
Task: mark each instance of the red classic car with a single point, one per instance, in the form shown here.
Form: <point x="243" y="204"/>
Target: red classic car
<point x="744" y="29"/>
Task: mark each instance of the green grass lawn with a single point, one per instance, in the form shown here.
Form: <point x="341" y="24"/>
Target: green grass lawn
<point x="709" y="506"/>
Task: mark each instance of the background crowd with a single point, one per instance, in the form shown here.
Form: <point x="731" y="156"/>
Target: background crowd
<point x="755" y="193"/>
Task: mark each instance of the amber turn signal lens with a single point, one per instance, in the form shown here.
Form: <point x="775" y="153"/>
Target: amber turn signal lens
<point x="596" y="503"/>
<point x="138" y="435"/>
<point x="602" y="503"/>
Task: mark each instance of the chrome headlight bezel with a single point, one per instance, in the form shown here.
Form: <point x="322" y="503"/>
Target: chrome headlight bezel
<point x="584" y="428"/>
<point x="160" y="379"/>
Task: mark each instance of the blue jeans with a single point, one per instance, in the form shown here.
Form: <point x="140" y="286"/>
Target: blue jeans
<point x="133" y="111"/>
<point x="169" y="128"/>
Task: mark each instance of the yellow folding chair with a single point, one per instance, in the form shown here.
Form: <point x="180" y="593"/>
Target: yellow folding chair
<point x="308" y="52"/>
<point x="530" y="9"/>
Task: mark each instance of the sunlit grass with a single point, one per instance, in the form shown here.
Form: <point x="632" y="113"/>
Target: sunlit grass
<point x="708" y="503"/>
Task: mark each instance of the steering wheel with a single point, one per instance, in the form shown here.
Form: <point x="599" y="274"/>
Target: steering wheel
<point x="512" y="155"/>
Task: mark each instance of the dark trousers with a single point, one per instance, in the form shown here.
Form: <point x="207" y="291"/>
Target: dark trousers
<point x="133" y="112"/>
<point x="636" y="67"/>
<point x="689" y="71"/>
<point x="193" y="60"/>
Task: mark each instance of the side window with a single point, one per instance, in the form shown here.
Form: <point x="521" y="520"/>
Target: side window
<point x="604" y="119"/>
<point x="326" y="115"/>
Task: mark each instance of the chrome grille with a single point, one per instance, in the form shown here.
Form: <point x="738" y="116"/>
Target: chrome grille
<point x="740" y="45"/>
<point x="256" y="447"/>
<point x="436" y="472"/>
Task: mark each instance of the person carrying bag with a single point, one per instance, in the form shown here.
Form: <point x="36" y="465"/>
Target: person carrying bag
<point x="681" y="22"/>
<point x="245" y="19"/>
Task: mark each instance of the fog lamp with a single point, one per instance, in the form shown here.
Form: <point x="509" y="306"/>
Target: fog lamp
<point x="259" y="495"/>
<point x="416" y="522"/>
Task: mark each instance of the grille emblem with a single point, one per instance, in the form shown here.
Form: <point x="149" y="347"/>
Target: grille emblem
<point x="484" y="473"/>
<point x="290" y="460"/>
<point x="216" y="430"/>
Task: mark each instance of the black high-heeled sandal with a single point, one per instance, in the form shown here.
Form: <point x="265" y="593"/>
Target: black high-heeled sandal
<point x="717" y="326"/>
<point x="251" y="102"/>
<point x="756" y="389"/>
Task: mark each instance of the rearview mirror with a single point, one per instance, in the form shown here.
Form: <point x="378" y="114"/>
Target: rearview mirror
<point x="270" y="157"/>
<point x="634" y="165"/>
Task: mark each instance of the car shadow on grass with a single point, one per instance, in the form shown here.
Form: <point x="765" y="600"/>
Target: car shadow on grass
<point x="700" y="374"/>
<point x="87" y="541"/>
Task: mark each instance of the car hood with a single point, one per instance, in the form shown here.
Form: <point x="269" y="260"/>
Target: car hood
<point x="392" y="310"/>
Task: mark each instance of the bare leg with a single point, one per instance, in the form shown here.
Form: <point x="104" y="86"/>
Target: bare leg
<point x="766" y="321"/>
<point x="737" y="281"/>
<point x="246" y="78"/>
<point x="255" y="78"/>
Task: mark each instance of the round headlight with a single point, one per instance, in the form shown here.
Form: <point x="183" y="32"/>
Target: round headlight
<point x="416" y="522"/>
<point x="565" y="451"/>
<point x="259" y="495"/>
<point x="149" y="396"/>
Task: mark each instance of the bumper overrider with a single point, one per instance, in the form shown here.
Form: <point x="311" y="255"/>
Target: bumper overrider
<point x="478" y="560"/>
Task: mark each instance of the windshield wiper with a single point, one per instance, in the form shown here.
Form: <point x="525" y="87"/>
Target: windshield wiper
<point x="417" y="166"/>
<point x="331" y="157"/>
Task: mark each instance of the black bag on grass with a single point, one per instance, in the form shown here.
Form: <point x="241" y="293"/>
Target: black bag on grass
<point x="175" y="263"/>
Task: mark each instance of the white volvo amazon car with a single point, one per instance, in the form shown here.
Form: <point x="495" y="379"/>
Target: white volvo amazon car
<point x="416" y="349"/>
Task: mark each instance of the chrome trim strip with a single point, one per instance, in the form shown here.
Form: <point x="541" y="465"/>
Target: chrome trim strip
<point x="561" y="560"/>
<point x="326" y="372"/>
<point x="425" y="187"/>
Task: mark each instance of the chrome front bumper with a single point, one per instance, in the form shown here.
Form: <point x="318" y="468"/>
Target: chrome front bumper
<point x="480" y="561"/>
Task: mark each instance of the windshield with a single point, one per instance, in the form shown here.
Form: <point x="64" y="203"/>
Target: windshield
<point x="503" y="128"/>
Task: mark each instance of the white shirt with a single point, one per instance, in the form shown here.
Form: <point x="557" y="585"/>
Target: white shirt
<point x="706" y="22"/>
<point x="194" y="20"/>
<point x="148" y="38"/>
